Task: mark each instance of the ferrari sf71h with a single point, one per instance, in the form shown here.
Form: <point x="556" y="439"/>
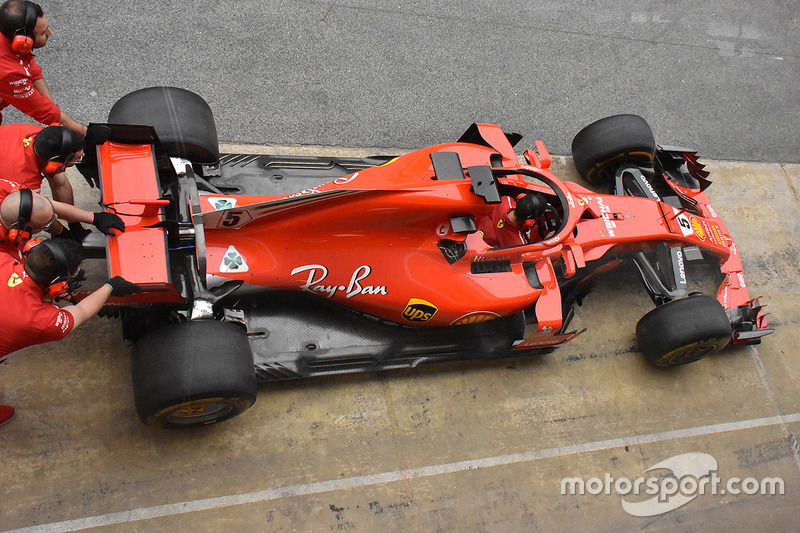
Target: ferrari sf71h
<point x="263" y="267"/>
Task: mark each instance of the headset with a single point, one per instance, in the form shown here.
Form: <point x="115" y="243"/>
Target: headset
<point x="53" y="165"/>
<point x="20" y="231"/>
<point x="59" y="287"/>
<point x="22" y="42"/>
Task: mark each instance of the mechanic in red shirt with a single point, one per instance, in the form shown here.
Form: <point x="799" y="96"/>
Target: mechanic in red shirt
<point x="45" y="271"/>
<point x="511" y="220"/>
<point x="24" y="213"/>
<point x="23" y="27"/>
<point x="29" y="153"/>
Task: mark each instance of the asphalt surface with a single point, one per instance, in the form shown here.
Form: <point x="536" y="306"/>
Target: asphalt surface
<point x="719" y="76"/>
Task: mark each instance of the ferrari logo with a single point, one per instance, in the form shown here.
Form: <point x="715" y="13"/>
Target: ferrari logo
<point x="499" y="224"/>
<point x="14" y="280"/>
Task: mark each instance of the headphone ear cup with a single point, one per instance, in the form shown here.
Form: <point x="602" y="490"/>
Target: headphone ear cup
<point x="57" y="290"/>
<point x="23" y="41"/>
<point x="54" y="167"/>
<point x="29" y="244"/>
<point x="19" y="237"/>
<point x="22" y="44"/>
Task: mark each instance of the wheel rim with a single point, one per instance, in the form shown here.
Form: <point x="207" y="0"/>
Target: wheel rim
<point x="694" y="351"/>
<point x="204" y="411"/>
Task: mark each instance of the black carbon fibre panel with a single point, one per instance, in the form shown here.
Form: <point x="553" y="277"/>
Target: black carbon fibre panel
<point x="298" y="335"/>
<point x="277" y="174"/>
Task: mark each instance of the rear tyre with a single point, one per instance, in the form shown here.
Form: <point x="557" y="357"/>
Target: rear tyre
<point x="599" y="147"/>
<point x="193" y="374"/>
<point x="182" y="119"/>
<point x="683" y="331"/>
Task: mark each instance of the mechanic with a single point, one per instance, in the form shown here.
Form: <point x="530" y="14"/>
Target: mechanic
<point x="512" y="219"/>
<point x="24" y="213"/>
<point x="48" y="270"/>
<point x="24" y="27"/>
<point x="31" y="153"/>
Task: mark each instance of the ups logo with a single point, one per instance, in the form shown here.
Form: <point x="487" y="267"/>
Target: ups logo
<point x="419" y="310"/>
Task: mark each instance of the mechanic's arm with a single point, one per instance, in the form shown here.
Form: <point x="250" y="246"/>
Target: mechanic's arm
<point x="61" y="188"/>
<point x="91" y="305"/>
<point x="70" y="213"/>
<point x="22" y="94"/>
<point x="55" y="228"/>
<point x="74" y="125"/>
<point x="41" y="86"/>
<point x="65" y="120"/>
<point x="104" y="221"/>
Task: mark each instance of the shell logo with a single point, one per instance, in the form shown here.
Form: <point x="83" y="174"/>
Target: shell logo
<point x="698" y="229"/>
<point x="474" y="318"/>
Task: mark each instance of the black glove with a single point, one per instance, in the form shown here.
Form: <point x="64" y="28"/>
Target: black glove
<point x="74" y="231"/>
<point x="63" y="234"/>
<point x="105" y="222"/>
<point x="122" y="287"/>
<point x="96" y="134"/>
<point x="76" y="281"/>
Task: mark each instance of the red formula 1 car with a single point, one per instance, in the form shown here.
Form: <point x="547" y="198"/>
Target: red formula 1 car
<point x="266" y="267"/>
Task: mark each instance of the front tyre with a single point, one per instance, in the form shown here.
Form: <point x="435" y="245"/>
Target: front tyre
<point x="683" y="331"/>
<point x="193" y="374"/>
<point x="601" y="146"/>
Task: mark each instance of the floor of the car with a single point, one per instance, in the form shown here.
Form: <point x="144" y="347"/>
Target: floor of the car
<point x="299" y="335"/>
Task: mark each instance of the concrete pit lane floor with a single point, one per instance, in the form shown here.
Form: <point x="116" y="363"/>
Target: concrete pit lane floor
<point x="561" y="442"/>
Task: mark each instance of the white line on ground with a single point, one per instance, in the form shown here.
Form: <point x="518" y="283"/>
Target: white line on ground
<point x="772" y="396"/>
<point x="220" y="502"/>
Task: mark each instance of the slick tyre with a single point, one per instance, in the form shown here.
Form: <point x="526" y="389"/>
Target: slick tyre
<point x="601" y="146"/>
<point x="683" y="331"/>
<point x="193" y="374"/>
<point x="183" y="121"/>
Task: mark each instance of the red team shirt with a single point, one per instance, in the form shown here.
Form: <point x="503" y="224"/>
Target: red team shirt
<point x="18" y="72"/>
<point x="497" y="230"/>
<point x="24" y="315"/>
<point x="25" y="318"/>
<point x="18" y="162"/>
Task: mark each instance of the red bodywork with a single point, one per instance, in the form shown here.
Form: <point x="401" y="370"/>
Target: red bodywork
<point x="370" y="240"/>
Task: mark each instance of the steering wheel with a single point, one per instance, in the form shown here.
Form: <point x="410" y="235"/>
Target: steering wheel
<point x="548" y="222"/>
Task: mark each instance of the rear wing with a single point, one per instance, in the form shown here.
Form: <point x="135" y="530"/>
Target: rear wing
<point x="128" y="178"/>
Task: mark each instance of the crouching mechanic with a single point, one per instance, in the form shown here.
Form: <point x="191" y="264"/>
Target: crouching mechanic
<point x="47" y="270"/>
<point x="30" y="153"/>
<point x="512" y="220"/>
<point x="23" y="213"/>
